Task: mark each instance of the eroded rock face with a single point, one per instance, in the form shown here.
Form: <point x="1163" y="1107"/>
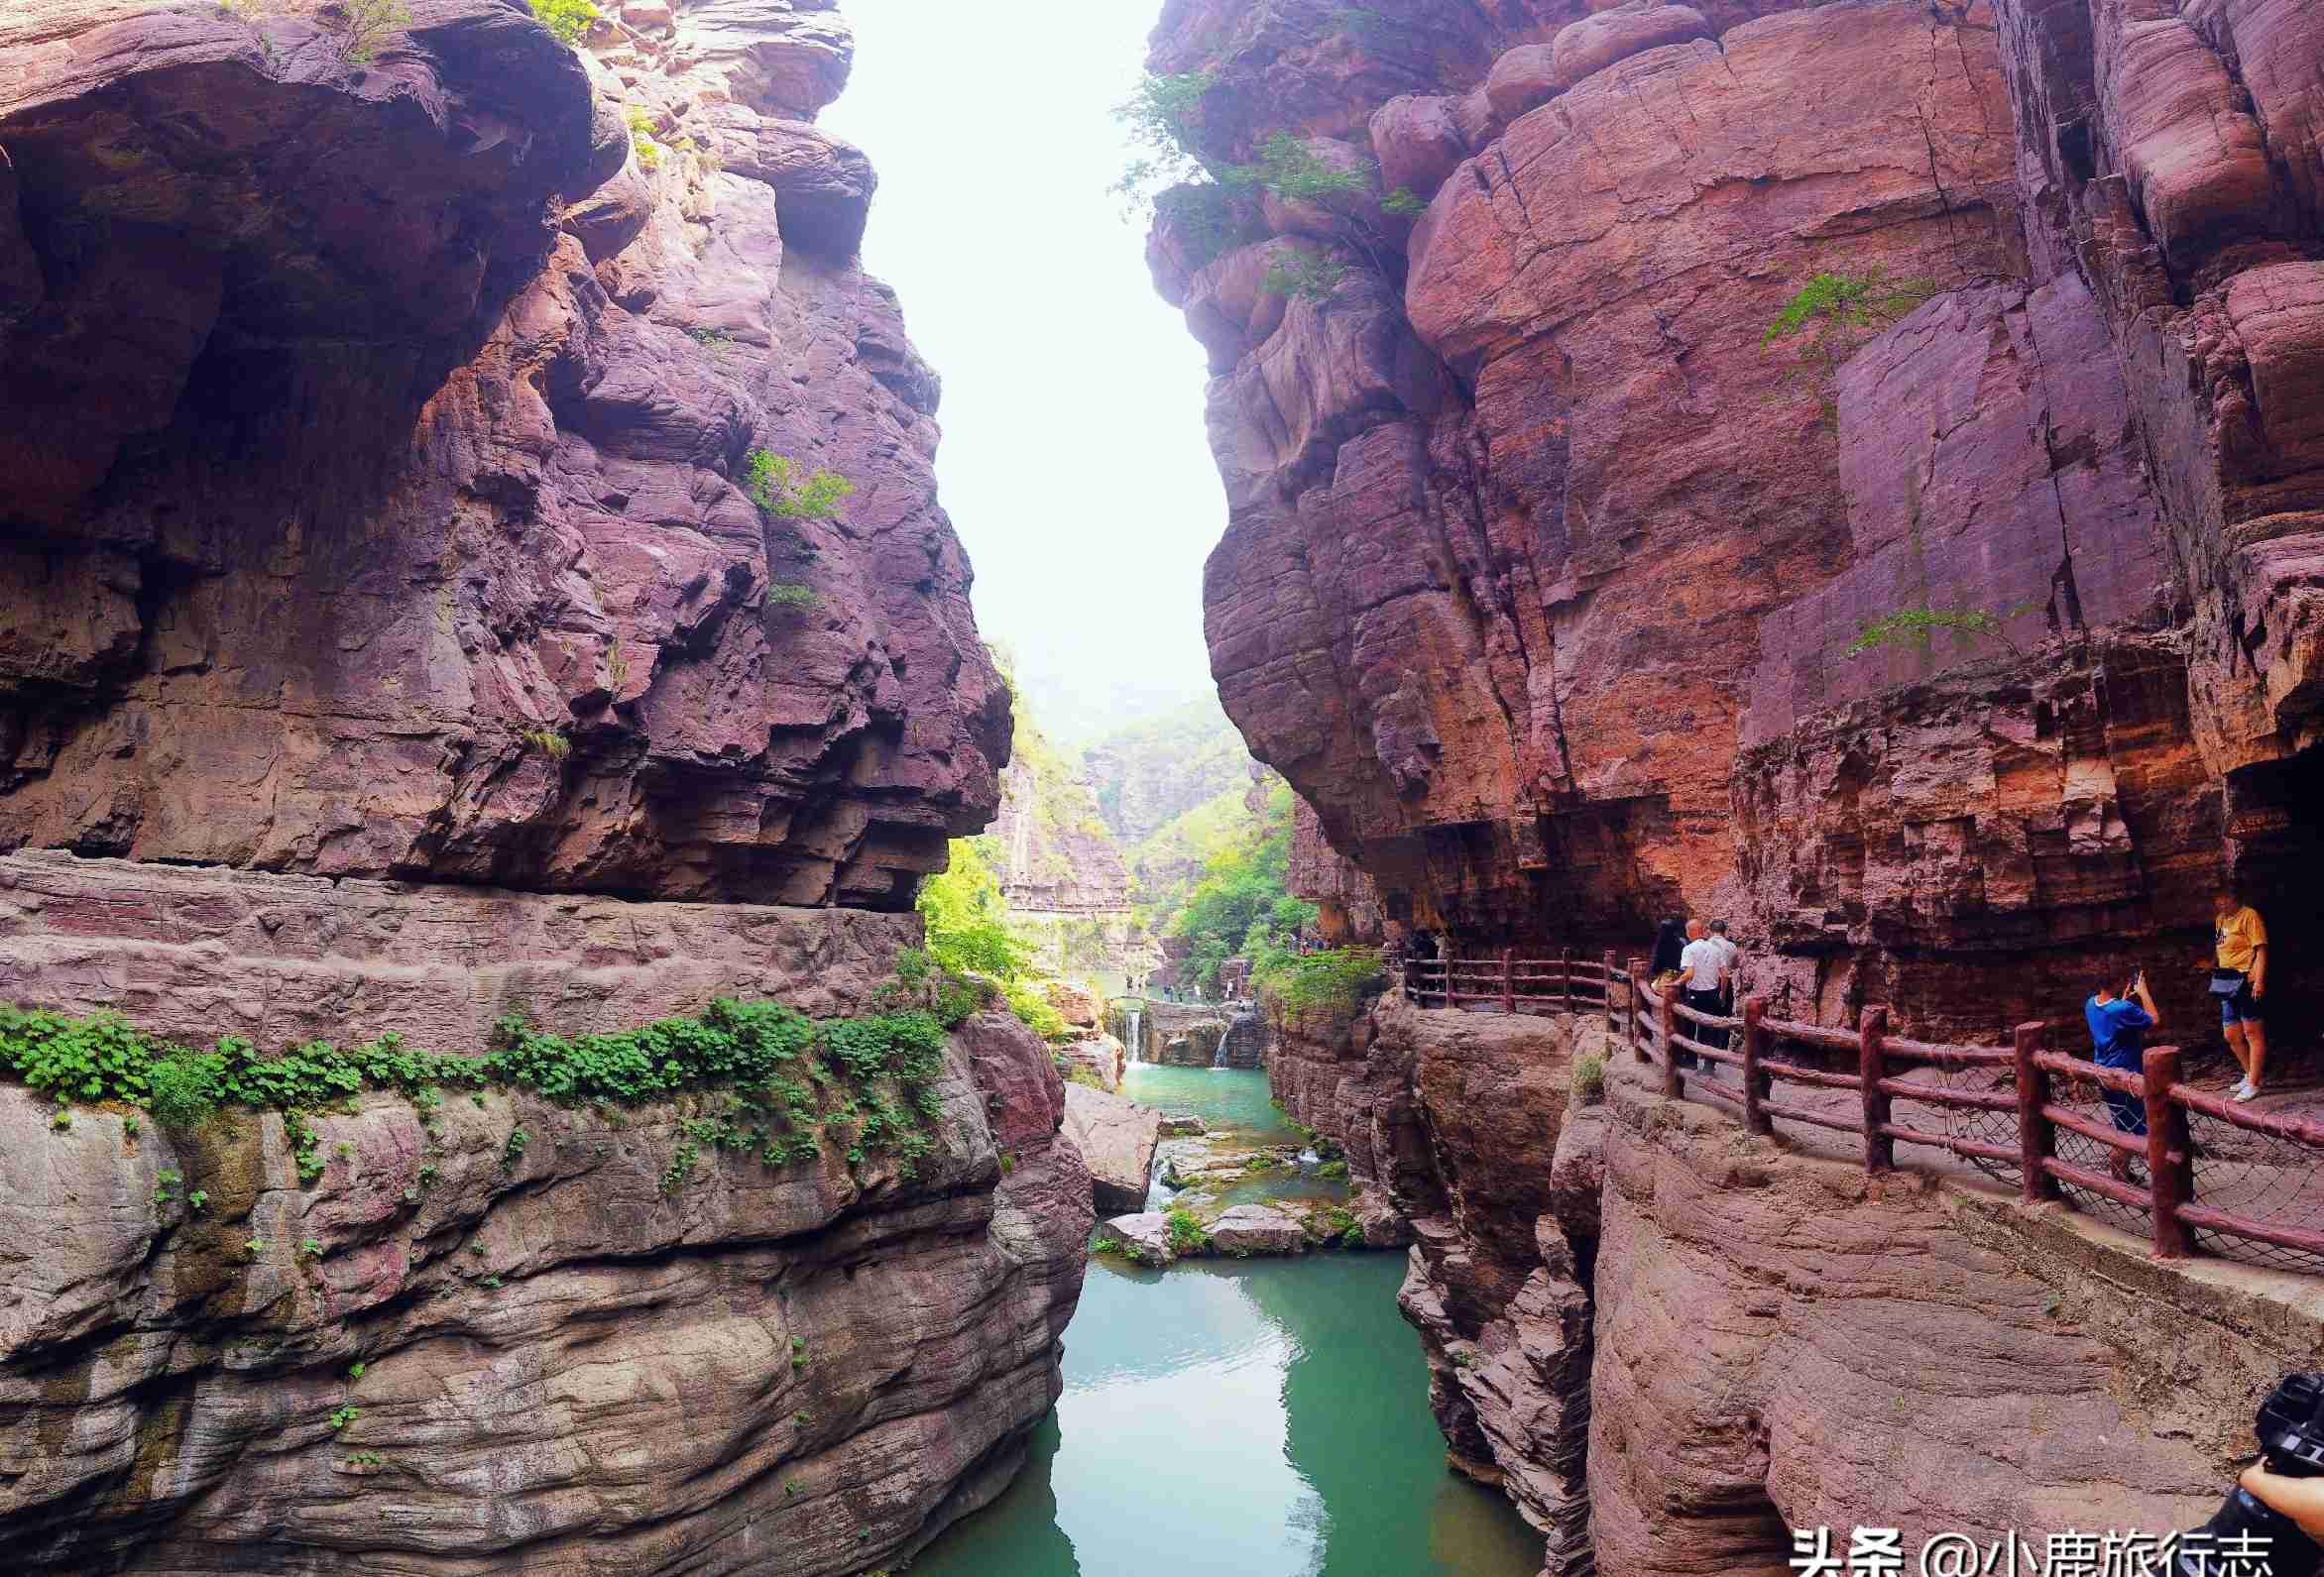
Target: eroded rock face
<point x="550" y="1357"/>
<point x="422" y="598"/>
<point x="1538" y="536"/>
<point x="397" y="533"/>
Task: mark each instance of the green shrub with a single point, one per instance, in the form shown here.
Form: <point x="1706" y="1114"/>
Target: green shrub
<point x="1310" y="275"/>
<point x="1404" y="203"/>
<point x="1296" y="172"/>
<point x="783" y="596"/>
<point x="1158" y="119"/>
<point x="1332" y="984"/>
<point x="548" y="742"/>
<point x="1332" y="1169"/>
<point x="1589" y="1077"/>
<point x="1107" y="1245"/>
<point x="1917" y="627"/>
<point x="1186" y="1230"/>
<point x="568" y="21"/>
<point x="784" y="489"/>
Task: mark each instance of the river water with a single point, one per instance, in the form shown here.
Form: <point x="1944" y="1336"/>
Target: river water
<point x="1248" y="1418"/>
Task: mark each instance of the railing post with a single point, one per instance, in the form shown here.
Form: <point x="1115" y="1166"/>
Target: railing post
<point x="1672" y="1085"/>
<point x="1509" y="980"/>
<point x="1607" y="996"/>
<point x="1450" y="964"/>
<point x="2170" y="1165"/>
<point x="1565" y="979"/>
<point x="1754" y="1047"/>
<point x="1880" y="1150"/>
<point x="2036" y="1134"/>
<point x="1631" y="1011"/>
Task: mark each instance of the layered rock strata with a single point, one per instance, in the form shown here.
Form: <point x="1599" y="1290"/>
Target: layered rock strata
<point x="503" y="1336"/>
<point x="468" y="547"/>
<point x="401" y="527"/>
<point x="1550" y="552"/>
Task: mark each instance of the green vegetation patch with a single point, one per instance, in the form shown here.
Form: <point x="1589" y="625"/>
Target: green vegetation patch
<point x="779" y="1068"/>
<point x="1329" y="985"/>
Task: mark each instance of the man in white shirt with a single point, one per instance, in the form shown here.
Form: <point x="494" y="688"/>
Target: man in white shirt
<point x="1732" y="963"/>
<point x="1703" y="976"/>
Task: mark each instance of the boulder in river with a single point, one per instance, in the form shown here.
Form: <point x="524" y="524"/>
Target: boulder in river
<point x="1183" y="1125"/>
<point x="1116" y="1138"/>
<point x="1144" y="1237"/>
<point x="1258" y="1229"/>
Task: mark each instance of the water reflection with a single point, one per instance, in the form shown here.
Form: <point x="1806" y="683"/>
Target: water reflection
<point x="1264" y="1418"/>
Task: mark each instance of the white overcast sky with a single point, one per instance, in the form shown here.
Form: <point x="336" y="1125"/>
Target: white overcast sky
<point x="1074" y="463"/>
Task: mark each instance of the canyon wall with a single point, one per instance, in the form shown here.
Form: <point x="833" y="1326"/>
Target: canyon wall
<point x="469" y="547"/>
<point x="1588" y="379"/>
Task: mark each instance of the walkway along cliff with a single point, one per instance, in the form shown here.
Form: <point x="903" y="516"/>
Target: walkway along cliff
<point x="1852" y="468"/>
<point x="470" y="572"/>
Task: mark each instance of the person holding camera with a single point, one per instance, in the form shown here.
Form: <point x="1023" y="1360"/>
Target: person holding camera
<point x="2120" y="1014"/>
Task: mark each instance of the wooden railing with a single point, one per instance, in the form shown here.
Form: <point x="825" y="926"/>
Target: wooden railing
<point x="1869" y="1057"/>
<point x="1506" y="983"/>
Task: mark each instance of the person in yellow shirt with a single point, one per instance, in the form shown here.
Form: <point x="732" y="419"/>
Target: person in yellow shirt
<point x="2239" y="978"/>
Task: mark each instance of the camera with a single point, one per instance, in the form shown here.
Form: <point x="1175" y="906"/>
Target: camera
<point x="2291" y="1440"/>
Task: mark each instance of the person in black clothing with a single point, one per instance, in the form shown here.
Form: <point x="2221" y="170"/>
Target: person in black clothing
<point x="1668" y="943"/>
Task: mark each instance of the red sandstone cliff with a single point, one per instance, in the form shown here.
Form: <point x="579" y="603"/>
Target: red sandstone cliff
<point x="374" y="446"/>
<point x="389" y="641"/>
<point x="1540" y="563"/>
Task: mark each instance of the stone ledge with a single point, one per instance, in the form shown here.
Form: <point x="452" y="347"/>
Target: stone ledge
<point x="196" y="952"/>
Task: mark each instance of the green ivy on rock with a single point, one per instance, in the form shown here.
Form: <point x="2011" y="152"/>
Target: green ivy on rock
<point x="772" y="1058"/>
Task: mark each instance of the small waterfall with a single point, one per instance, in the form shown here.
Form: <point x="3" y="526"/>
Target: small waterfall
<point x="1137" y="1042"/>
<point x="1219" y="1057"/>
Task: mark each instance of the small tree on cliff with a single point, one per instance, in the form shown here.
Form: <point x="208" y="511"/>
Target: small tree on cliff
<point x="1918" y="628"/>
<point x="1833" y="315"/>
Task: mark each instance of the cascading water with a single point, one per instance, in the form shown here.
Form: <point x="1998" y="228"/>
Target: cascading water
<point x="1137" y="1042"/>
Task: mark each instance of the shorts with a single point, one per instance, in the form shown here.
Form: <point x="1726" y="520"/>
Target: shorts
<point x="2241" y="1007"/>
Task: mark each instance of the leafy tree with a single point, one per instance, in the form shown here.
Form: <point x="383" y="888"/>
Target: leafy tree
<point x="1242" y="906"/>
<point x="1833" y="315"/>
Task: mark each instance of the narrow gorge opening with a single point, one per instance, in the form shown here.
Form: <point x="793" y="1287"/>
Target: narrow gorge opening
<point x="1402" y="870"/>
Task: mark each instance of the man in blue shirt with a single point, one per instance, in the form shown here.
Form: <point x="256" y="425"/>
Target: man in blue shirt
<point x="2119" y="1021"/>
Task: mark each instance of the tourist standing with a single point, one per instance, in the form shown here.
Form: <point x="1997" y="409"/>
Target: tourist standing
<point x="2119" y="1017"/>
<point x="1731" y="961"/>
<point x="1702" y="966"/>
<point x="1668" y="943"/>
<point x="2239" y="978"/>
